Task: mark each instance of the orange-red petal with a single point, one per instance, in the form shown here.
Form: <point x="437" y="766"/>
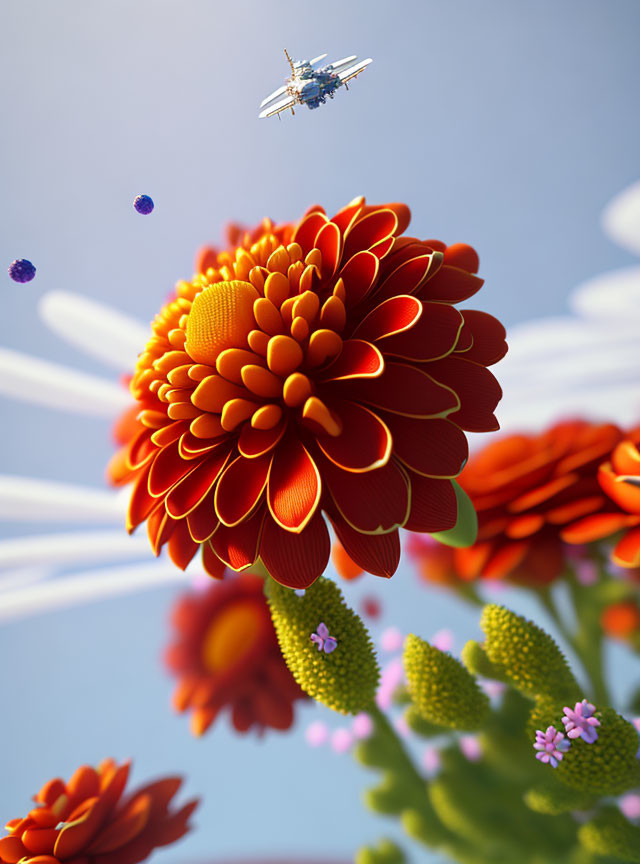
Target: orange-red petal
<point x="294" y="486"/>
<point x="240" y="488"/>
<point x="364" y="443"/>
<point x="296" y="560"/>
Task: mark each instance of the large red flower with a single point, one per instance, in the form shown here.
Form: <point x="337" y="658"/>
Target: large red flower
<point x="620" y="478"/>
<point x="87" y="821"/>
<point x="226" y="654"/>
<point x="526" y="489"/>
<point x="316" y="368"/>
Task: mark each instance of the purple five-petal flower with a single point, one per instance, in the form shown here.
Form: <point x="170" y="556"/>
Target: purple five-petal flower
<point x="551" y="746"/>
<point x="580" y="722"/>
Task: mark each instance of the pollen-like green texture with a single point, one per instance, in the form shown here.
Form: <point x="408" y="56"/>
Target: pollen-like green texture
<point x="531" y="660"/>
<point x="609" y="765"/>
<point x="344" y="680"/>
<point x="611" y="834"/>
<point x="443" y="691"/>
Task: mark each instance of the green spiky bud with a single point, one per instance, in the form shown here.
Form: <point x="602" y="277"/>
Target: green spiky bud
<point x="443" y="691"/>
<point x="554" y="798"/>
<point x="479" y="806"/>
<point x="424" y="826"/>
<point x="475" y="659"/>
<point x="612" y="835"/>
<point x="344" y="680"/>
<point x="386" y="852"/>
<point x="609" y="765"/>
<point x="416" y="722"/>
<point x="389" y="796"/>
<point x="531" y="660"/>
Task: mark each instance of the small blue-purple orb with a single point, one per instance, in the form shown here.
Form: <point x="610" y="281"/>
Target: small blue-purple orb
<point x="22" y="270"/>
<point x="143" y="204"/>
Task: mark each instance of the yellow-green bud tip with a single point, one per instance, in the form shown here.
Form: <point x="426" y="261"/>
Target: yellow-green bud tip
<point x="443" y="691"/>
<point x="345" y="678"/>
<point x="530" y="659"/>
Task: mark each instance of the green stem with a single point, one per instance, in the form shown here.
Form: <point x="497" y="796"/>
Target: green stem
<point x="587" y="640"/>
<point x="403" y="762"/>
<point x="548" y="603"/>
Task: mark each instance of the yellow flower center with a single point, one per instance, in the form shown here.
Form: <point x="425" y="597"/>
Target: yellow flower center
<point x="221" y="317"/>
<point x="231" y="635"/>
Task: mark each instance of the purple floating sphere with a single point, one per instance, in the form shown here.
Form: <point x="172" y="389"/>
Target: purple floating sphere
<point x="143" y="204"/>
<point x="22" y="270"/>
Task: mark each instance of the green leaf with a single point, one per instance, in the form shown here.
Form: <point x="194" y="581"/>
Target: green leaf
<point x="465" y="531"/>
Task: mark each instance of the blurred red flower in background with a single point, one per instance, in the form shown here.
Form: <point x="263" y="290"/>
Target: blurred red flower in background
<point x="317" y="367"/>
<point x="622" y="621"/>
<point x="526" y="490"/>
<point x="226" y="654"/>
<point x="86" y="821"/>
<point x="620" y="478"/>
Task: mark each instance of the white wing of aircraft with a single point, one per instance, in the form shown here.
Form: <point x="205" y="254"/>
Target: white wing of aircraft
<point x="278" y="107"/>
<point x="351" y="72"/>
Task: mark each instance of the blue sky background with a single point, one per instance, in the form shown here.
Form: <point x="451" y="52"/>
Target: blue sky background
<point x="508" y="125"/>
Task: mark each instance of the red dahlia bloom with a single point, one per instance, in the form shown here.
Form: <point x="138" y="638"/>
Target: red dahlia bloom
<point x="620" y="479"/>
<point x="87" y="821"/>
<point x="320" y="367"/>
<point x="526" y="489"/>
<point x="226" y="653"/>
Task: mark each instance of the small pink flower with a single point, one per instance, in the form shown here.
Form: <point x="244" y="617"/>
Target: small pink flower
<point x="630" y="805"/>
<point x="341" y="740"/>
<point x="586" y="572"/>
<point x="493" y="689"/>
<point x="401" y="727"/>
<point x="317" y="734"/>
<point x="580" y="722"/>
<point x="391" y="678"/>
<point x="391" y="639"/>
<point x="551" y="746"/>
<point x="431" y="760"/>
<point x="442" y="640"/>
<point x="470" y="747"/>
<point x="362" y="726"/>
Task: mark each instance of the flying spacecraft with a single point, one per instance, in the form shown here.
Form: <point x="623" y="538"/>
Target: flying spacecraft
<point x="310" y="86"/>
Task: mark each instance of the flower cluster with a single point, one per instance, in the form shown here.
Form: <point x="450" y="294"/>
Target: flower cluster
<point x="551" y="746"/>
<point x="578" y="722"/>
<point x="317" y="367"/>
<point x="87" y="821"/>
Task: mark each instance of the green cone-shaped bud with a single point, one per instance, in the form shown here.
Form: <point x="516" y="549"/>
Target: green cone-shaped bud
<point x="609" y="765"/>
<point x="386" y="852"/>
<point x="423" y="825"/>
<point x="475" y="659"/>
<point x="417" y="723"/>
<point x="611" y="834"/>
<point x="345" y="679"/>
<point x="389" y="796"/>
<point x="531" y="660"/>
<point x="443" y="691"/>
<point x="554" y="798"/>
